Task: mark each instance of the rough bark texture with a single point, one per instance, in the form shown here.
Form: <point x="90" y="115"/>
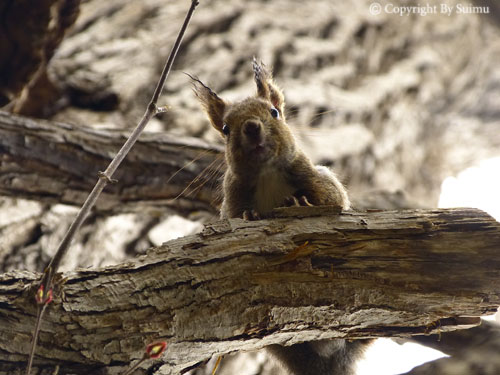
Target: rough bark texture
<point x="58" y="163"/>
<point x="243" y="285"/>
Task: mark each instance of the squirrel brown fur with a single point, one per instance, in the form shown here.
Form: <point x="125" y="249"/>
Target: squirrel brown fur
<point x="266" y="169"/>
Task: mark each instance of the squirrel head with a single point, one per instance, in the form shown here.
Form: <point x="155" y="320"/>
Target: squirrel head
<point x="254" y="129"/>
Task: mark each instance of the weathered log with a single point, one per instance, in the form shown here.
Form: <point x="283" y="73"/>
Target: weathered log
<point x="243" y="285"/>
<point x="59" y="163"/>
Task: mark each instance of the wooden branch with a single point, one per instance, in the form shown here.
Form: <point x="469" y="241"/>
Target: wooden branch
<point x="59" y="163"/>
<point x="242" y="285"/>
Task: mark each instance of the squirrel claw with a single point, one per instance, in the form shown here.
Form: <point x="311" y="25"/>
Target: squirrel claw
<point x="304" y="202"/>
<point x="293" y="201"/>
<point x="251" y="215"/>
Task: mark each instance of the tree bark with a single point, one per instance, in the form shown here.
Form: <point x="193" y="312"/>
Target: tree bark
<point x="58" y="163"/>
<point x="243" y="285"/>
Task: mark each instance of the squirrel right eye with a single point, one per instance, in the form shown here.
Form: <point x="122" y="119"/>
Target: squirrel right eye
<point x="275" y="113"/>
<point x="225" y="129"/>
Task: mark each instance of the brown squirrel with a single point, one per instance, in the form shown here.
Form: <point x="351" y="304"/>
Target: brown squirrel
<point x="265" y="170"/>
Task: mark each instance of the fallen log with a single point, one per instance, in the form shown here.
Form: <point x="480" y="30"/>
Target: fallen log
<point x="59" y="163"/>
<point x="242" y="285"/>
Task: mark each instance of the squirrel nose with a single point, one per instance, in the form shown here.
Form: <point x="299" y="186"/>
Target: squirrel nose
<point x="252" y="129"/>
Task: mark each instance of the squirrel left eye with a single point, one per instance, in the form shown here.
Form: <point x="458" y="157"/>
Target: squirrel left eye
<point x="275" y="113"/>
<point x="225" y="129"/>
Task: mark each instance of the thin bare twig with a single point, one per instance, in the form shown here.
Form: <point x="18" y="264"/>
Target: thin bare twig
<point x="106" y="177"/>
<point x="40" y="311"/>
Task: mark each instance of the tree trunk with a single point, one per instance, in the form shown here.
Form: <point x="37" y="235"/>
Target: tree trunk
<point x="58" y="163"/>
<point x="242" y="285"/>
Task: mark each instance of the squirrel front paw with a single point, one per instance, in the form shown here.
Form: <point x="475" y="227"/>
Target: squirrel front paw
<point x="251" y="215"/>
<point x="294" y="201"/>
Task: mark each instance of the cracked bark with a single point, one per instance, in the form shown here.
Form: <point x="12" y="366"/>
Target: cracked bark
<point x="58" y="163"/>
<point x="243" y="285"/>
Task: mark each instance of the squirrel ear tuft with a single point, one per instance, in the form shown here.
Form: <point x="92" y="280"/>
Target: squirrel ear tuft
<point x="266" y="88"/>
<point x="210" y="101"/>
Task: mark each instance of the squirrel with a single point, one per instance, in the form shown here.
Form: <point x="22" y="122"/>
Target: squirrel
<point x="266" y="169"/>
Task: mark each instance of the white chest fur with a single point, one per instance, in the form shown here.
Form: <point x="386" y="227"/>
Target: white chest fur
<point x="271" y="191"/>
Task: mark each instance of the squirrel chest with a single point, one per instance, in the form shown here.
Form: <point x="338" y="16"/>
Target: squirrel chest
<point x="271" y="190"/>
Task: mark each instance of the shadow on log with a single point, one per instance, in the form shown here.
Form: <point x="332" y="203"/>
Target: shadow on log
<point x="242" y="285"/>
<point x="472" y="351"/>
